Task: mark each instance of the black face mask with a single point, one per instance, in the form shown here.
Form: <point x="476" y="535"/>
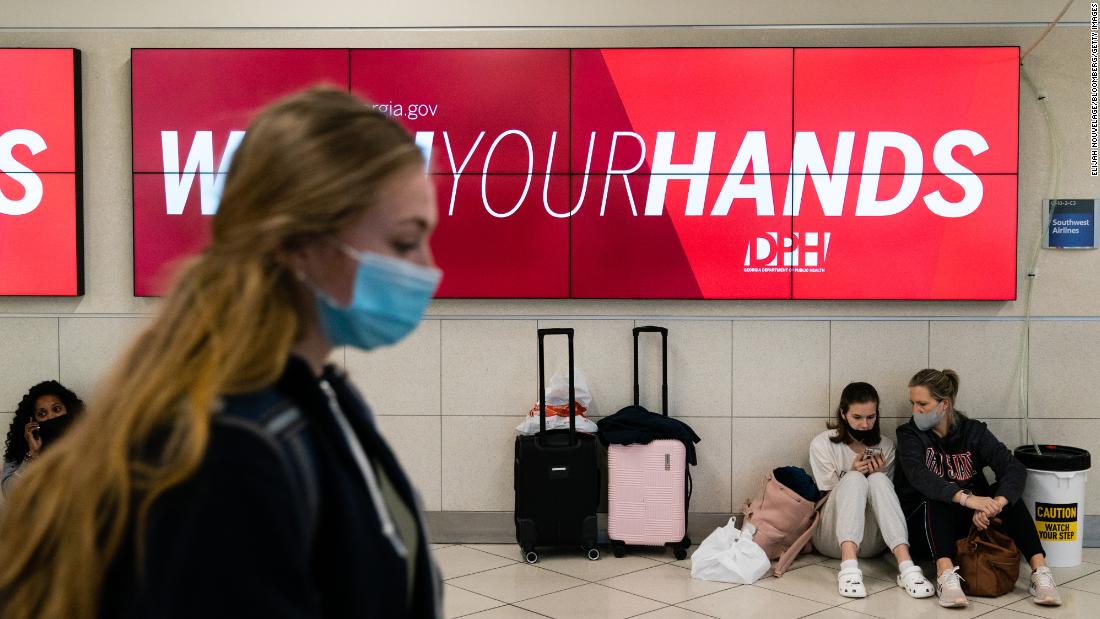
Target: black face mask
<point x="52" y="429"/>
<point x="860" y="435"/>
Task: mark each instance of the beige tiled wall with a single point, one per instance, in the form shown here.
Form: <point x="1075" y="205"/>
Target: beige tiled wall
<point x="883" y="353"/>
<point x="756" y="379"/>
<point x="30" y="354"/>
<point x="90" y="345"/>
<point x="1064" y="361"/>
<point x="699" y="362"/>
<point x="448" y="398"/>
<point x="386" y="375"/>
<point x="987" y="357"/>
<point x="780" y="368"/>
<point x="488" y="367"/>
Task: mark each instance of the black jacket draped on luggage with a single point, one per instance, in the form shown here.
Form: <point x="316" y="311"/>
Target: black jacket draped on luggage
<point x="635" y="424"/>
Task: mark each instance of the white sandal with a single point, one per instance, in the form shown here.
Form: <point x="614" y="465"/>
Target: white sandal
<point x="850" y="583"/>
<point x="915" y="584"/>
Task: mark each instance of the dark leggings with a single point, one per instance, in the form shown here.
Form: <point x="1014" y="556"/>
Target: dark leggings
<point x="934" y="527"/>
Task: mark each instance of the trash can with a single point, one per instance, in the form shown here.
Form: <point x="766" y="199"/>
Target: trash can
<point x="1055" y="497"/>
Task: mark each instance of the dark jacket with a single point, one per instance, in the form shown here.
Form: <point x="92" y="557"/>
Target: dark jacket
<point x="635" y="424"/>
<point x="278" y="522"/>
<point x="930" y="467"/>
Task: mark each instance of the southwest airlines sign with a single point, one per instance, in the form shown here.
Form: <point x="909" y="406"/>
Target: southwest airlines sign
<point x="640" y="173"/>
<point x="40" y="205"/>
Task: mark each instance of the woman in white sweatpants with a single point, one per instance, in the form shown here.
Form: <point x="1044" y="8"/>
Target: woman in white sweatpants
<point x="862" y="516"/>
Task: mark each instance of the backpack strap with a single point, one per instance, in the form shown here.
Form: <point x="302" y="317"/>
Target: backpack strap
<point x="282" y="427"/>
<point x="791" y="553"/>
<point x="748" y="502"/>
<point x="285" y="423"/>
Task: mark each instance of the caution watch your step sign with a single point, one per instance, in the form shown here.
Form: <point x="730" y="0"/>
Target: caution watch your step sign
<point x="1056" y="522"/>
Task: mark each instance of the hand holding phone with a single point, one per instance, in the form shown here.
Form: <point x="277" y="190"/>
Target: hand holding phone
<point x="873" y="456"/>
<point x="34" y="442"/>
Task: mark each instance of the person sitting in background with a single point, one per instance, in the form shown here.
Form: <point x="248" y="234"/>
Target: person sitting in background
<point x="862" y="516"/>
<point x="944" y="493"/>
<point x="44" y="402"/>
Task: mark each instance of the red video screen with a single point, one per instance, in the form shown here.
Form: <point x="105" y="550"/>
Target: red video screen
<point x="702" y="173"/>
<point x="41" y="236"/>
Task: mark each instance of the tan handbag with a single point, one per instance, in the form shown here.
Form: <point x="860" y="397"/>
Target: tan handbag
<point x="784" y="520"/>
<point x="989" y="562"/>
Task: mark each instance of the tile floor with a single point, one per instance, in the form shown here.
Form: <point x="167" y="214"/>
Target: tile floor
<point x="491" y="581"/>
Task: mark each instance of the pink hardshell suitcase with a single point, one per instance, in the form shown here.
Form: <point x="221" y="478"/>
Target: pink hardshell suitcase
<point x="648" y="485"/>
<point x="645" y="492"/>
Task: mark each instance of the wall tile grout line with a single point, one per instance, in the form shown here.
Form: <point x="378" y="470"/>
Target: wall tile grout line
<point x="829" y="374"/>
<point x="441" y="415"/>
<point x="733" y="440"/>
<point x="733" y="355"/>
<point x="1026" y="369"/>
<point x="928" y="340"/>
<point x="509" y="28"/>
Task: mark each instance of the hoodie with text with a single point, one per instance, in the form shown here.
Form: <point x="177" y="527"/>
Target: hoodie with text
<point x="933" y="468"/>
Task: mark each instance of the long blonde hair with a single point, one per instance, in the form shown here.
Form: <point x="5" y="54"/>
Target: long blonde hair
<point x="309" y="164"/>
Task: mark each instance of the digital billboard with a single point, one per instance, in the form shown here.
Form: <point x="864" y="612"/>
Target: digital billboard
<point x="41" y="236"/>
<point x="676" y="173"/>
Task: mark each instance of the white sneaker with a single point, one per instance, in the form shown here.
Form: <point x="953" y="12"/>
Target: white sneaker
<point x="1042" y="589"/>
<point x="949" y="586"/>
<point x="850" y="583"/>
<point x="914" y="583"/>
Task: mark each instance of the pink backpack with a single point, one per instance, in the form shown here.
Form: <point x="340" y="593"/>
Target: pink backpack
<point x="784" y="520"/>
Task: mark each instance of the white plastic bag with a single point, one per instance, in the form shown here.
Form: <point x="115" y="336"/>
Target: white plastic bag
<point x="557" y="405"/>
<point x="729" y="555"/>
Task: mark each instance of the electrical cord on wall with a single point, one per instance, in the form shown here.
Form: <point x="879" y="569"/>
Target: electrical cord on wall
<point x="1046" y="32"/>
<point x="1054" y="179"/>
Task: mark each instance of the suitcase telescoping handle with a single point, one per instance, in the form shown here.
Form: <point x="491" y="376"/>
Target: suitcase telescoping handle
<point x="664" y="365"/>
<point x="542" y="382"/>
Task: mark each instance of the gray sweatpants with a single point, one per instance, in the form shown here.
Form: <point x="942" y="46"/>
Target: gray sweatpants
<point x="864" y="510"/>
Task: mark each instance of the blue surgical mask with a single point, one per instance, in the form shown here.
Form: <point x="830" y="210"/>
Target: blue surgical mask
<point x="929" y="420"/>
<point x="388" y="301"/>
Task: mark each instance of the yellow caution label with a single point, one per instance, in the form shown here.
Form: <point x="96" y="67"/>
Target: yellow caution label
<point x="1056" y="522"/>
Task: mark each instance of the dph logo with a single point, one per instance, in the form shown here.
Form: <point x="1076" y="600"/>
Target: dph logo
<point x="799" y="249"/>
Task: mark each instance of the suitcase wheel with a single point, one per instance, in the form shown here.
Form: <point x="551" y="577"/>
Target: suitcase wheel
<point x="619" y="550"/>
<point x="680" y="553"/>
<point x="531" y="557"/>
<point x="593" y="554"/>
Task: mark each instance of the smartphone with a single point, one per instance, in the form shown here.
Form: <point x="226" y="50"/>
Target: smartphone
<point x="869" y="452"/>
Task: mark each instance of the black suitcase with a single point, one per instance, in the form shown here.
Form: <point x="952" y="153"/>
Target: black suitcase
<point x="557" y="478"/>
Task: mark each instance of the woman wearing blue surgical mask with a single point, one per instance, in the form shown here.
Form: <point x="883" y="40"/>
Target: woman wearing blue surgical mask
<point x="943" y="492"/>
<point x="229" y="470"/>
